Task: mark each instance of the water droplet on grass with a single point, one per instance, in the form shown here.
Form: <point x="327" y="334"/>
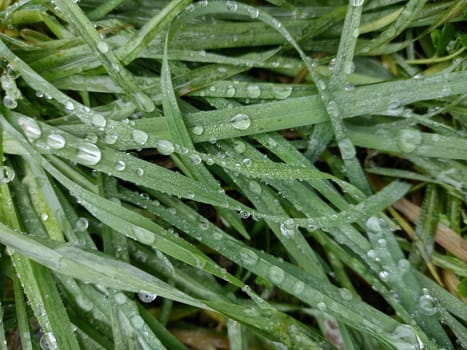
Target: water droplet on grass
<point x="89" y="154"/>
<point x="103" y="47"/>
<point x="253" y="91"/>
<point x="248" y="257"/>
<point x="281" y="92"/>
<point x="276" y="274"/>
<point x="120" y="165"/>
<point x="139" y="136"/>
<point x="409" y="139"/>
<point x="56" y="141"/>
<point x="230" y="92"/>
<point x="110" y="138"/>
<point x="69" y="106"/>
<point x="232" y="5"/>
<point x="48" y="341"/>
<point x="321" y="306"/>
<point x="81" y="224"/>
<point x="98" y="120"/>
<point x="254" y="187"/>
<point x="197" y="130"/>
<point x="240" y="121"/>
<point x="195" y="159"/>
<point x="288" y="228"/>
<point x="165" y="147"/>
<point x="146" y="297"/>
<point x="31" y="128"/>
<point x="254" y="13"/>
<point x="10" y="102"/>
<point x="7" y="174"/>
<point x="428" y="305"/>
<point x="239" y="147"/>
<point x="346" y="148"/>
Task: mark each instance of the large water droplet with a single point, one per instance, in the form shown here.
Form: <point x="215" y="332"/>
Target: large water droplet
<point x="30" y="127"/>
<point x="428" y="305"/>
<point x="288" y="228"/>
<point x="48" y="341"/>
<point x="253" y="91"/>
<point x="232" y="5"/>
<point x="69" y="106"/>
<point x="404" y="338"/>
<point x="143" y="235"/>
<point x="7" y="174"/>
<point x="248" y="257"/>
<point x="276" y="274"/>
<point x="230" y="92"/>
<point x="139" y="136"/>
<point x="81" y="224"/>
<point x="89" y="154"/>
<point x="110" y="138"/>
<point x="56" y="141"/>
<point x="197" y="130"/>
<point x="139" y="171"/>
<point x="120" y="165"/>
<point x="10" y="102"/>
<point x="373" y="224"/>
<point x="254" y="187"/>
<point x="103" y="47"/>
<point x="146" y="297"/>
<point x="165" y="147"/>
<point x="409" y="139"/>
<point x="98" y="120"/>
<point x="254" y="13"/>
<point x="281" y="92"/>
<point x="120" y="298"/>
<point x="240" y="121"/>
<point x="195" y="159"/>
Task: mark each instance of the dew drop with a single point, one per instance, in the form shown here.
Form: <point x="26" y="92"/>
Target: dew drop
<point x="98" y="120"/>
<point x="276" y="274"/>
<point x="409" y="139"/>
<point x="248" y="257"/>
<point x="345" y="294"/>
<point x="254" y="187"/>
<point x="56" y="141"/>
<point x="240" y="121"/>
<point x="332" y="109"/>
<point x="281" y="92"/>
<point x="103" y="47"/>
<point x="139" y="136"/>
<point x="230" y="92"/>
<point x="69" y="106"/>
<point x="239" y="147"/>
<point x="44" y="217"/>
<point x="7" y="174"/>
<point x="321" y="306"/>
<point x="428" y="305"/>
<point x="356" y="2"/>
<point x="254" y="13"/>
<point x="373" y="224"/>
<point x="253" y="91"/>
<point x="81" y="224"/>
<point x="143" y="235"/>
<point x="89" y="154"/>
<point x="31" y="128"/>
<point x="139" y="172"/>
<point x="384" y="276"/>
<point x="232" y="5"/>
<point x="110" y="138"/>
<point x="165" y="147"/>
<point x="120" y="165"/>
<point x="349" y="87"/>
<point x="146" y="297"/>
<point x="195" y="159"/>
<point x="404" y="338"/>
<point x="197" y="130"/>
<point x="332" y="64"/>
<point x="404" y="265"/>
<point x="48" y="341"/>
<point x="299" y="287"/>
<point x="120" y="298"/>
<point x="10" y="102"/>
<point x="288" y="228"/>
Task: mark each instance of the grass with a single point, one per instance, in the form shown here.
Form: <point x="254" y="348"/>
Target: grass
<point x="233" y="175"/>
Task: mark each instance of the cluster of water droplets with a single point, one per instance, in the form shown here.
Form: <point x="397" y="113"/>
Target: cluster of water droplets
<point x="12" y="94"/>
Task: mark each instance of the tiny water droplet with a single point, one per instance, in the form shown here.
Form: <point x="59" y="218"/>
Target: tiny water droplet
<point x="254" y="187"/>
<point x="253" y="91"/>
<point x="10" y="102"/>
<point x="332" y="64"/>
<point x="44" y="217"/>
<point x="89" y="154"/>
<point x="254" y="13"/>
<point x="55" y="141"/>
<point x="384" y="276"/>
<point x="120" y="298"/>
<point x="281" y="92"/>
<point x="120" y="165"/>
<point x="165" y="147"/>
<point x="98" y="120"/>
<point x="69" y="106"/>
<point x="103" y="47"/>
<point x="81" y="224"/>
<point x="321" y="306"/>
<point x="195" y="159"/>
<point x="332" y="109"/>
<point x="7" y="174"/>
<point x="345" y="294"/>
<point x="239" y="147"/>
<point x="428" y="305"/>
<point x="248" y="257"/>
<point x="139" y="136"/>
<point x="356" y="2"/>
<point x="276" y="274"/>
<point x="409" y="139"/>
<point x="146" y="297"/>
<point x="197" y="130"/>
<point x="30" y="127"/>
<point x="139" y="172"/>
<point x="232" y="5"/>
<point x="240" y="121"/>
<point x="110" y="138"/>
<point x="230" y="92"/>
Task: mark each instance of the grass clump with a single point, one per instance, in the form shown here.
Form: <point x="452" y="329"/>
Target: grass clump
<point x="233" y="175"/>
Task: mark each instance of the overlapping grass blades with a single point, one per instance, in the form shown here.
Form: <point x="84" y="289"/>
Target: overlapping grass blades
<point x="198" y="152"/>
